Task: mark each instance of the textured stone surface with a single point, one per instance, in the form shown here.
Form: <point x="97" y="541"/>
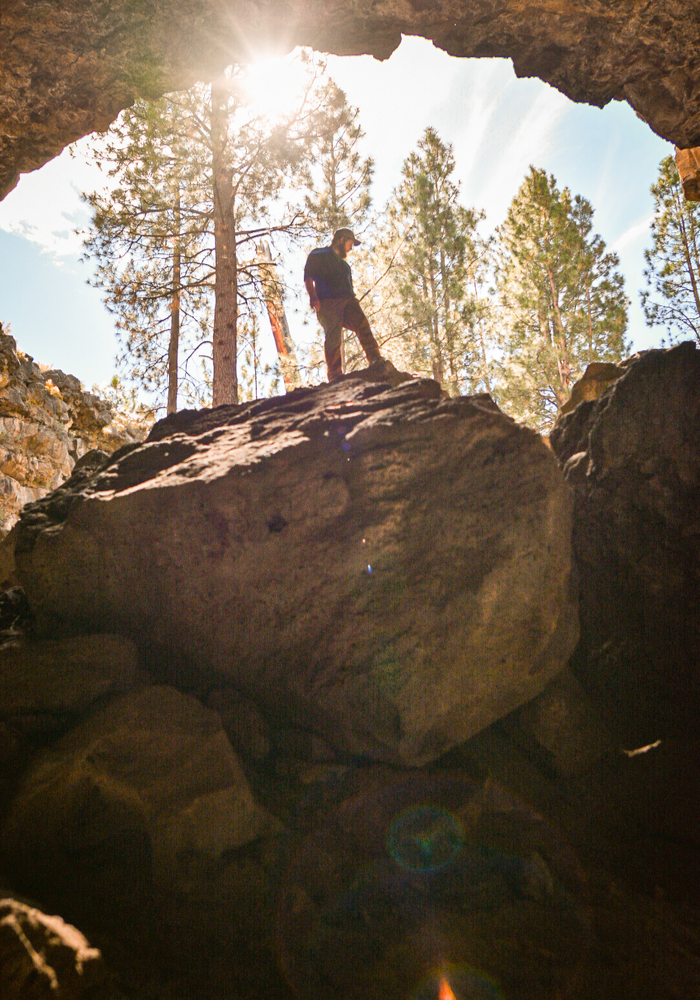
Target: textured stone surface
<point x="49" y="684"/>
<point x="633" y="459"/>
<point x="593" y="383"/>
<point x="431" y="867"/>
<point x="44" y="958"/>
<point x="243" y="722"/>
<point x="145" y="788"/>
<point x="47" y="423"/>
<point x="68" y="68"/>
<point x="563" y="723"/>
<point x="390" y="566"/>
<point x="688" y="163"/>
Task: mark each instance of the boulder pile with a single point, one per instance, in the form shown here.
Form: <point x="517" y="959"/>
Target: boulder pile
<point x="293" y="702"/>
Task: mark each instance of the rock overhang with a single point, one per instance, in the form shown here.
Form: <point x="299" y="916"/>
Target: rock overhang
<point x="68" y="68"/>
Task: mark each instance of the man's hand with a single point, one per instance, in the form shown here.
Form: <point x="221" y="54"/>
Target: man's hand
<point x="313" y="297"/>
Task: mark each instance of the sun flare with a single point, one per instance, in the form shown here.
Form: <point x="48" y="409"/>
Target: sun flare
<point x="276" y="84"/>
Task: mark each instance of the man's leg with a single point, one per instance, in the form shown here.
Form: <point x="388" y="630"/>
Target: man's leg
<point x="354" y="319"/>
<point x="330" y="316"/>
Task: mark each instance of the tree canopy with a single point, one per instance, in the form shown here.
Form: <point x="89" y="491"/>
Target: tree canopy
<point x="561" y="300"/>
<point x="206" y="181"/>
<point x="672" y="299"/>
<point x="429" y="254"/>
<point x="201" y="178"/>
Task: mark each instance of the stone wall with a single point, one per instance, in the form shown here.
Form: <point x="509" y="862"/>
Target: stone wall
<point x="47" y="423"/>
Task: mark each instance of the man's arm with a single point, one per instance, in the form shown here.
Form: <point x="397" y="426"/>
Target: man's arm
<point x="313" y="297"/>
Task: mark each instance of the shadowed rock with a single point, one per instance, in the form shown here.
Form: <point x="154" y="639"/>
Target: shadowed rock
<point x="389" y="566"/>
<point x="633" y="459"/>
<point x="139" y="793"/>
<point x="45" y="686"/>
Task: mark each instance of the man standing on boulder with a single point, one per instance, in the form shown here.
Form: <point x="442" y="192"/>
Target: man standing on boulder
<point x="328" y="281"/>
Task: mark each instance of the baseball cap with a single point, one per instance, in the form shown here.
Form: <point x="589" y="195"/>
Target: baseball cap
<point x="346" y="234"/>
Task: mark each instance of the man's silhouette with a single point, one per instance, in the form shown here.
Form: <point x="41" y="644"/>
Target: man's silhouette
<point x="328" y="281"/>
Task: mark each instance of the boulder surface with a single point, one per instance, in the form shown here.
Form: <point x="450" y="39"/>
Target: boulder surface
<point x="49" y="684"/>
<point x="389" y="566"/>
<point x="141" y="792"/>
<point x="633" y="459"/>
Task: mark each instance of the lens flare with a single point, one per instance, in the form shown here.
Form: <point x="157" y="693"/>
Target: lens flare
<point x="425" y="838"/>
<point x="445" y="990"/>
<point x="276" y="84"/>
<point x="456" y="982"/>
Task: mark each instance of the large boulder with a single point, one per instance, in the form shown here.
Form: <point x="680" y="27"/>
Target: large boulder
<point x="633" y="459"/>
<point x="388" y="565"/>
<point x="47" y="685"/>
<point x="145" y="790"/>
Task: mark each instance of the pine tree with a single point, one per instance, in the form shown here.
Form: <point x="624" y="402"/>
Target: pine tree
<point x="562" y="302"/>
<point x="673" y="262"/>
<point x="148" y="237"/>
<point x="340" y="177"/>
<point x="237" y="160"/>
<point x="430" y="257"/>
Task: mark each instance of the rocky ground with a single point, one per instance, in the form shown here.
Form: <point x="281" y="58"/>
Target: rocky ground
<point x="243" y="765"/>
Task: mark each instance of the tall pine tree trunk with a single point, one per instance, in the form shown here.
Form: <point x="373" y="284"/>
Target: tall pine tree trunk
<point x="174" y="345"/>
<point x="563" y="364"/>
<point x="225" y="388"/>
<point x="590" y="323"/>
<point x="438" y="371"/>
<point x="482" y="342"/>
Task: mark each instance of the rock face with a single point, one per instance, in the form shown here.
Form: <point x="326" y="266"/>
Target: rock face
<point x="47" y="686"/>
<point x="215" y="847"/>
<point x="47" y="423"/>
<point x="633" y="460"/>
<point x="68" y="68"/>
<point x="688" y="163"/>
<point x="389" y="566"/>
<point x="593" y="383"/>
<point x="144" y="788"/>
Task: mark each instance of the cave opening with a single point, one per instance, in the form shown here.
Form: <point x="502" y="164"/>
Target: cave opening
<point x="496" y="124"/>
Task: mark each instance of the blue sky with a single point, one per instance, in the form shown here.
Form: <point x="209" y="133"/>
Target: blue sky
<point x="497" y="124"/>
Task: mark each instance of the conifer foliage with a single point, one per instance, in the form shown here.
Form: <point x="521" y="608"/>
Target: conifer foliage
<point x="562" y="302"/>
<point x="148" y="238"/>
<point x="430" y="256"/>
<point x="673" y="262"/>
<point x="200" y="180"/>
<point x="340" y="177"/>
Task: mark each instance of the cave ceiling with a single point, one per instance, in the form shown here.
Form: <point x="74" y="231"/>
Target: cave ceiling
<point x="68" y="67"/>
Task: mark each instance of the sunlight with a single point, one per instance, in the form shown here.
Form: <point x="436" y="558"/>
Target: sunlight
<point x="276" y="83"/>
